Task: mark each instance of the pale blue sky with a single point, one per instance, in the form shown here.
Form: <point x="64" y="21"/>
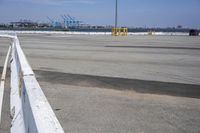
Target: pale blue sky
<point x="135" y="13"/>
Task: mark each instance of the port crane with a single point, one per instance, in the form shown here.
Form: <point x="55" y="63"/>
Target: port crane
<point x="54" y="23"/>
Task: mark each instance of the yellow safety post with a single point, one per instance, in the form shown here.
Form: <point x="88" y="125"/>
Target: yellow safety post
<point x="123" y="31"/>
<point x="118" y="31"/>
<point x="126" y="33"/>
<point x="114" y="31"/>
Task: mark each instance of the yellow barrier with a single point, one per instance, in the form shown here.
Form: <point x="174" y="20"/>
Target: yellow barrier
<point x="119" y="31"/>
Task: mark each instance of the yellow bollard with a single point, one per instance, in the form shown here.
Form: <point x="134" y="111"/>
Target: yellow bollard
<point x="114" y="31"/>
<point x="118" y="32"/>
<point x="126" y="32"/>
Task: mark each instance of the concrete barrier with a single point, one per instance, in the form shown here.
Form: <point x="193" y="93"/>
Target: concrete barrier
<point x="30" y="110"/>
<point x="93" y="33"/>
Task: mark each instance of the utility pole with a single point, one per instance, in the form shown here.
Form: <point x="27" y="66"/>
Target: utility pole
<point x="116" y="13"/>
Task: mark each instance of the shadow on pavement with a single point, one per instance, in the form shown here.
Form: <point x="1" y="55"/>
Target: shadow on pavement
<point x="140" y="86"/>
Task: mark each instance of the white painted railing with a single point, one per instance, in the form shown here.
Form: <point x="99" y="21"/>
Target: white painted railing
<point x="30" y="109"/>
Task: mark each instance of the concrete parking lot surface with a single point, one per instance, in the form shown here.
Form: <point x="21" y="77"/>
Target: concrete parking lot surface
<point x="110" y="84"/>
<point x="159" y="58"/>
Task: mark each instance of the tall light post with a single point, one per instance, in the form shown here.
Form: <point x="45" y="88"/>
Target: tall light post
<point x="118" y="31"/>
<point x="116" y="13"/>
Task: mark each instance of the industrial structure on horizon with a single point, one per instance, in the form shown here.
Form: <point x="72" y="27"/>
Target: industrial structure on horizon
<point x="67" y="22"/>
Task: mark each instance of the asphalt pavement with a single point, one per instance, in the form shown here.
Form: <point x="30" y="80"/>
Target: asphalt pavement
<point x="142" y="84"/>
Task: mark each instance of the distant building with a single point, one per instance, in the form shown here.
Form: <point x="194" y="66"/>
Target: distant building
<point x="24" y="24"/>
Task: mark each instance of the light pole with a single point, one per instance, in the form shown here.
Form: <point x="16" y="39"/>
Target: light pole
<point x="116" y="13"/>
<point x="118" y="31"/>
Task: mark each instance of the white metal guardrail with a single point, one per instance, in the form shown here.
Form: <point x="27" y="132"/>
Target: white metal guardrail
<point x="30" y="110"/>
